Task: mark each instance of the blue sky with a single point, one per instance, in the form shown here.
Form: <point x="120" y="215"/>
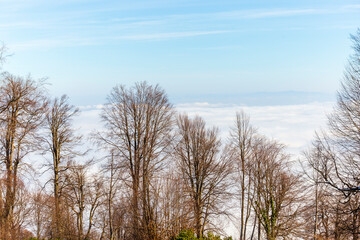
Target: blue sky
<point x="214" y="51"/>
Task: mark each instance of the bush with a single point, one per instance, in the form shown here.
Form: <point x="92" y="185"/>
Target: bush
<point x="185" y="235"/>
<point x="189" y="235"/>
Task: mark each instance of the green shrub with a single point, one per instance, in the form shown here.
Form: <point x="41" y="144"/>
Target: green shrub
<point x="189" y="235"/>
<point x="185" y="235"/>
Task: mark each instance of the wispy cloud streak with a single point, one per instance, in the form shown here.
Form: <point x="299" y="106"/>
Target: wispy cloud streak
<point x="83" y="27"/>
<point x="170" y="35"/>
<point x="88" y="41"/>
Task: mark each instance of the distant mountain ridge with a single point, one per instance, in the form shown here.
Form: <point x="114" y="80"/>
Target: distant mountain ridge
<point x="258" y="98"/>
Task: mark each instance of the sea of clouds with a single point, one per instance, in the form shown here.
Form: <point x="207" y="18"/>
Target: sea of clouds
<point x="292" y="125"/>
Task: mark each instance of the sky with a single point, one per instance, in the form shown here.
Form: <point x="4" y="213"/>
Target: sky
<point x="230" y="51"/>
<point x="281" y="61"/>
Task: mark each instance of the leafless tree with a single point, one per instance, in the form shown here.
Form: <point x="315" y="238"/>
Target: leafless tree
<point x="84" y="195"/>
<point x="112" y="182"/>
<point x="280" y="199"/>
<point x="337" y="160"/>
<point x="114" y="214"/>
<point x="203" y="170"/>
<point x="21" y="212"/>
<point x="339" y="205"/>
<point x="338" y="149"/>
<point x="324" y="209"/>
<point x="241" y="137"/>
<point x="138" y="122"/>
<point x="22" y="106"/>
<point x="60" y="141"/>
<point x="40" y="213"/>
<point x="174" y="208"/>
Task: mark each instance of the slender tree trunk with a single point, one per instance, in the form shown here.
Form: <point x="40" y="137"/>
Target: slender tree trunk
<point x="82" y="206"/>
<point x="355" y="226"/>
<point x="135" y="210"/>
<point x="337" y="228"/>
<point x="242" y="232"/>
<point x="57" y="200"/>
<point x="253" y="230"/>
<point x="258" y="199"/>
<point x="316" y="211"/>
<point x="110" y="209"/>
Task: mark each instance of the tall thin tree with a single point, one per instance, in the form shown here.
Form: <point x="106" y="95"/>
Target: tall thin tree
<point x="203" y="170"/>
<point x="241" y="137"/>
<point x="22" y="107"/>
<point x="60" y="142"/>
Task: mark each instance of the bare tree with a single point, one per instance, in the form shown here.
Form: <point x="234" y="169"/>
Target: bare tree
<point x="174" y="208"/>
<point x="338" y="149"/>
<point x="116" y="205"/>
<point x="21" y="212"/>
<point x="241" y="137"/>
<point x="40" y="213"/>
<point x="203" y="170"/>
<point x="279" y="201"/>
<point x="60" y="142"/>
<point x="112" y="188"/>
<point x="340" y="204"/>
<point x="323" y="210"/>
<point x="22" y="106"/>
<point x="138" y="122"/>
<point x="83" y="193"/>
<point x="337" y="160"/>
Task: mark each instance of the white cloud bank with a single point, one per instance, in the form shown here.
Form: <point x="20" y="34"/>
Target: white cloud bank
<point x="292" y="125"/>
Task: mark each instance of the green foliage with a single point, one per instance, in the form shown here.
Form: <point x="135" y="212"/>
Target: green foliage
<point x="211" y="236"/>
<point x="185" y="235"/>
<point x="190" y="235"/>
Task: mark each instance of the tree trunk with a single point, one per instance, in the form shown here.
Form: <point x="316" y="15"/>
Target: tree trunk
<point x="57" y="201"/>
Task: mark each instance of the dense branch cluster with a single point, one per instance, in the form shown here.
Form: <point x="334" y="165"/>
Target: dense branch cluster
<point x="334" y="161"/>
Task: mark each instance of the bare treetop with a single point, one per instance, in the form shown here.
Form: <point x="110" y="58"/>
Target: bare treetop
<point x="138" y="124"/>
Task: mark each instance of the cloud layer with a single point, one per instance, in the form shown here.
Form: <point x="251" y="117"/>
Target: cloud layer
<point x="292" y="125"/>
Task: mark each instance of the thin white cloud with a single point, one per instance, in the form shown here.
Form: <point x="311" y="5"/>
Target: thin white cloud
<point x="52" y="43"/>
<point x="352" y="6"/>
<point x="169" y="35"/>
<point x="89" y="30"/>
<point x="249" y="13"/>
<point x="18" y="25"/>
<point x="81" y="17"/>
<point x="71" y="42"/>
<point x="283" y="13"/>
